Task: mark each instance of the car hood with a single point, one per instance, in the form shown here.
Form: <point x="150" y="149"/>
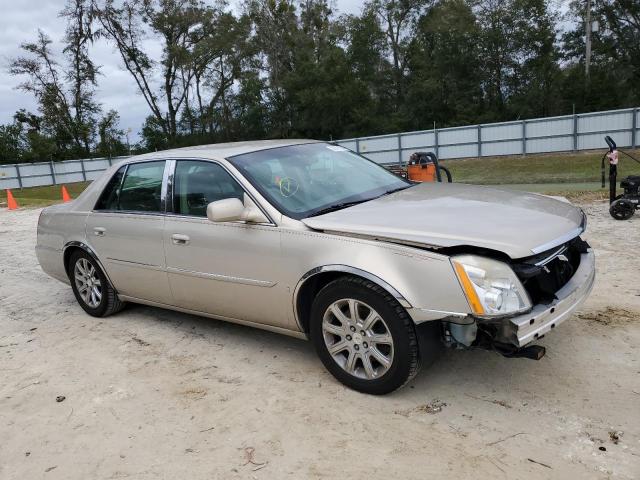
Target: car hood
<point x="449" y="215"/>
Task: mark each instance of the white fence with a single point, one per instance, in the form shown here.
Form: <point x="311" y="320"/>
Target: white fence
<point x="21" y="175"/>
<point x="542" y="135"/>
<point x="554" y="134"/>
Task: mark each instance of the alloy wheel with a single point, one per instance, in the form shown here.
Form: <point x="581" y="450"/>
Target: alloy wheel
<point x="88" y="282"/>
<point x="357" y="338"/>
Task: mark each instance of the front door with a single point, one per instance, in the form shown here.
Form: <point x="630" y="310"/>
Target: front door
<point x="227" y="269"/>
<point x="125" y="230"/>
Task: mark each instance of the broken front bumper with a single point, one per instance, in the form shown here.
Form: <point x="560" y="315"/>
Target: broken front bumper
<point x="524" y="329"/>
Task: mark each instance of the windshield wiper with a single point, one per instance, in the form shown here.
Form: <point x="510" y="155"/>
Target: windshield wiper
<point x="337" y="206"/>
<point x="404" y="187"/>
<point x="340" y="206"/>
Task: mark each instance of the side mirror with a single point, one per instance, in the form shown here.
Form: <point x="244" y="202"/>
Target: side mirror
<point x="227" y="210"/>
<point x="233" y="210"/>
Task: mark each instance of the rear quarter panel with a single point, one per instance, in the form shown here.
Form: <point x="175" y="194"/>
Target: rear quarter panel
<point x="57" y="226"/>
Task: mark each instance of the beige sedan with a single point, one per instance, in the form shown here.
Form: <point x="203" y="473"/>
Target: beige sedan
<point x="312" y="240"/>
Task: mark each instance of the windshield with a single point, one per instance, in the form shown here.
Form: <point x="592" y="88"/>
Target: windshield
<point x="308" y="179"/>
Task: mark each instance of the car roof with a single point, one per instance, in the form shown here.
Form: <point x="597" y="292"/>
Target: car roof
<point x="219" y="151"/>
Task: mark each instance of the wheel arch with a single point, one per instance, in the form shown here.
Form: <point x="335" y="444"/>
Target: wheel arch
<point x="316" y="279"/>
<point x="73" y="246"/>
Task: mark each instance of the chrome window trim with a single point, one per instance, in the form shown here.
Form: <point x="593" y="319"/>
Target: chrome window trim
<point x="126" y="167"/>
<point x="164" y="188"/>
<point x="171" y="171"/>
<point x="168" y="187"/>
<point x="130" y="212"/>
<point x="124" y="175"/>
<point x="171" y="178"/>
<point x="205" y="220"/>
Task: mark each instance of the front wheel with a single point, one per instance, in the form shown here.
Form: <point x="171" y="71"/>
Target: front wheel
<point x="363" y="336"/>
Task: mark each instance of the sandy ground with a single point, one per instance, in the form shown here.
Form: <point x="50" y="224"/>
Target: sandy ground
<point x="157" y="394"/>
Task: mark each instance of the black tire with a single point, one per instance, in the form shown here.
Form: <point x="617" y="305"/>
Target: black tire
<point x="622" y="209"/>
<point x="405" y="362"/>
<point x="109" y="302"/>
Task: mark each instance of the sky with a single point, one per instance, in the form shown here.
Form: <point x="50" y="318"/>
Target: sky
<point x="20" y="21"/>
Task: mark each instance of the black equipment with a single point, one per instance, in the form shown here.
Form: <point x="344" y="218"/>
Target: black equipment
<point x="622" y="207"/>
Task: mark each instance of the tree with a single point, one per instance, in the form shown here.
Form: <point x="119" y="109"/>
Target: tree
<point x="294" y="68"/>
<point x="11" y="148"/>
<point x="65" y="92"/>
<point x="276" y="25"/>
<point x="320" y="85"/>
<point x="222" y="50"/>
<point x="444" y="68"/>
<point x="68" y="122"/>
<point x="249" y="107"/>
<point x="534" y="87"/>
<point x="111" y="142"/>
<point x="608" y="85"/>
<point x="170" y="21"/>
<point x="497" y="20"/>
<point x="365" y="46"/>
<point x="33" y="143"/>
<point x="81" y="77"/>
<point x="398" y="20"/>
<point x="622" y="23"/>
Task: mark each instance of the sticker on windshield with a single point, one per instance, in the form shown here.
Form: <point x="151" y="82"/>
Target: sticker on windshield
<point x="336" y="148"/>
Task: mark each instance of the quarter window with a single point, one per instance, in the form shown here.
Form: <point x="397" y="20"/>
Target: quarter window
<point x="111" y="193"/>
<point x="140" y="191"/>
<point x="198" y="183"/>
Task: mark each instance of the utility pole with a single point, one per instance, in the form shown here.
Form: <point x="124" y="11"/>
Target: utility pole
<point x="587" y="27"/>
<point x="128" y="144"/>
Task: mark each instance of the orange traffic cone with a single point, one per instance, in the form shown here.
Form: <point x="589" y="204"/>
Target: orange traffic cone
<point x="11" y="202"/>
<point x="65" y="195"/>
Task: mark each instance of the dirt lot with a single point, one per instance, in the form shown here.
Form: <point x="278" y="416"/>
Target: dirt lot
<point x="157" y="394"/>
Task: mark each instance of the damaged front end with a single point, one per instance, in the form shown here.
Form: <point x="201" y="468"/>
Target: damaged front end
<point x="557" y="282"/>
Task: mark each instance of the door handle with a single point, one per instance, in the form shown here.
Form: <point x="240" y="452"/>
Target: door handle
<point x="179" y="239"/>
<point x="99" y="231"/>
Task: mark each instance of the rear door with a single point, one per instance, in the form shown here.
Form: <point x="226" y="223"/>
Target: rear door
<point x="125" y="230"/>
<point x="228" y="269"/>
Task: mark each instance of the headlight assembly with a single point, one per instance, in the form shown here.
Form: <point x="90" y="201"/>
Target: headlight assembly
<point x="491" y="286"/>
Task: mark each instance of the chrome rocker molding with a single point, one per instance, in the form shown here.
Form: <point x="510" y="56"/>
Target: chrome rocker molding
<point x="262" y="326"/>
<point x="222" y="278"/>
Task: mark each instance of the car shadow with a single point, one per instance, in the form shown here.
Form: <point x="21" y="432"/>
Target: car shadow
<point x="220" y="330"/>
<point x="473" y="370"/>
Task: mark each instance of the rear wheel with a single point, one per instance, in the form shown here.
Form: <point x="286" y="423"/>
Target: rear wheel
<point x="363" y="336"/>
<point x="90" y="286"/>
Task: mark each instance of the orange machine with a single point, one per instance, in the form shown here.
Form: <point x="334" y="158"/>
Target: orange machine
<point x="424" y="167"/>
<point x="423" y="172"/>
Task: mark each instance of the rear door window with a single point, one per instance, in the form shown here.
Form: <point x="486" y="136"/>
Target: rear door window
<point x="139" y="191"/>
